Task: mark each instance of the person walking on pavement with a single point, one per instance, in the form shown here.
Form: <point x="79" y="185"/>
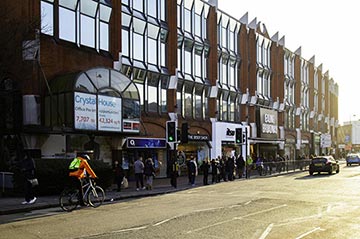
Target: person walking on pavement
<point x="28" y="169"/>
<point x="139" y="173"/>
<point x="119" y="174"/>
<point x="149" y="172"/>
<point x="240" y="165"/>
<point x="192" y="170"/>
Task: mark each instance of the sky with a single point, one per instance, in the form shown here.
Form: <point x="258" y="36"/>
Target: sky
<point x="326" y="29"/>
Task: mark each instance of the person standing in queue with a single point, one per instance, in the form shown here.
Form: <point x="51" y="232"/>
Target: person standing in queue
<point x="192" y="170"/>
<point x="139" y="173"/>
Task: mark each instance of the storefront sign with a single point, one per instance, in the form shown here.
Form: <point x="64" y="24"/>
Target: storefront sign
<point x="146" y="143"/>
<point x="196" y="137"/>
<point x="268" y="123"/>
<point x="85" y="111"/>
<point x="131" y="126"/>
<point x="109" y="113"/>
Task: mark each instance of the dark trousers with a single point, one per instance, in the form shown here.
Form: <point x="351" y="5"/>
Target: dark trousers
<point x="29" y="194"/>
<point x="192" y="178"/>
<point x="173" y="180"/>
<point x="139" y="177"/>
<point x="205" y="179"/>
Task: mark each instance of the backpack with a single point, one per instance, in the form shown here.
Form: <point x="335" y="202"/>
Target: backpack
<point x="75" y="164"/>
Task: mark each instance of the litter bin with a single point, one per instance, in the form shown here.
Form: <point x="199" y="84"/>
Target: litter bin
<point x="6" y="180"/>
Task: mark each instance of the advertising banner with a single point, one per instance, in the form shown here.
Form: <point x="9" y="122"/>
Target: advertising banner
<point x="268" y="123"/>
<point x="84" y="111"/>
<point x="109" y="113"/>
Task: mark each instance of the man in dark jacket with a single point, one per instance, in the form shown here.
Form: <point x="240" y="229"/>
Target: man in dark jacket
<point x="28" y="169"/>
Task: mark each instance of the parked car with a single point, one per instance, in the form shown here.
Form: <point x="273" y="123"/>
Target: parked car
<point x="324" y="164"/>
<point x="352" y="159"/>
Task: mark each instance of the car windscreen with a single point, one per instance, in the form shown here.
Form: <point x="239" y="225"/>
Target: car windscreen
<point x="352" y="156"/>
<point x="319" y="160"/>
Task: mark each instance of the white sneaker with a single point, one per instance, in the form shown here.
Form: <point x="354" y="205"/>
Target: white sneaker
<point x="137" y="189"/>
<point x="143" y="188"/>
<point x="24" y="203"/>
<point x="32" y="200"/>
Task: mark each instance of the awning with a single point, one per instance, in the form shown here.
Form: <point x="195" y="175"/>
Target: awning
<point x="265" y="141"/>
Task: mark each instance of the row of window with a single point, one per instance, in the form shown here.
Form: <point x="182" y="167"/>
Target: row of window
<point x="144" y="40"/>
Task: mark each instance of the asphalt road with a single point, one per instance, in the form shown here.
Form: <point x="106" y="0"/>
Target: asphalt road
<point x="288" y="206"/>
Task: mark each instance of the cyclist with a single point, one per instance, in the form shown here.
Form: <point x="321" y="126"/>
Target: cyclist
<point x="81" y="169"/>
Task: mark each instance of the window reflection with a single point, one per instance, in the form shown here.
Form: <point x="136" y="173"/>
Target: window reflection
<point x="87" y="31"/>
<point x="84" y="22"/>
<point x="67" y="24"/>
<point x="47" y="18"/>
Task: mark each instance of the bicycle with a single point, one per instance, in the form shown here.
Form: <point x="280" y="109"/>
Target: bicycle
<point x="93" y="195"/>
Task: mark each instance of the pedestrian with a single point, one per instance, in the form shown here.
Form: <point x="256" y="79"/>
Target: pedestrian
<point x="119" y="175"/>
<point x="214" y="171"/>
<point x="240" y="164"/>
<point x="248" y="165"/>
<point x="28" y="169"/>
<point x="260" y="165"/>
<point x="192" y="167"/>
<point x="149" y="172"/>
<point x="205" y="166"/>
<point x="139" y="173"/>
<point x="174" y="172"/>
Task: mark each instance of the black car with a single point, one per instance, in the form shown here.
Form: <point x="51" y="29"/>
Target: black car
<point x="324" y="164"/>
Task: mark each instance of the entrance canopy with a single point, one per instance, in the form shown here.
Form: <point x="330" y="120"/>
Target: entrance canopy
<point x="99" y="99"/>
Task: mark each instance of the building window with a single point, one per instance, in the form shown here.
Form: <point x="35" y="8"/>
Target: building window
<point x="67" y="24"/>
<point x="84" y="22"/>
<point x="47" y="17"/>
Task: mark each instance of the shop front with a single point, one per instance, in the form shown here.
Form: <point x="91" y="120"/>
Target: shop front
<point x="223" y="140"/>
<point x="93" y="110"/>
<point x="198" y="146"/>
<point x="134" y="147"/>
<point x="265" y="141"/>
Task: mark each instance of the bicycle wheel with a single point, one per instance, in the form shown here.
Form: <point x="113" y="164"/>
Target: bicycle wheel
<point x="96" y="196"/>
<point x="69" y="199"/>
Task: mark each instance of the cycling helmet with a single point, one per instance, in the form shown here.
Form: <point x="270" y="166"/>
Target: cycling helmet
<point x="85" y="156"/>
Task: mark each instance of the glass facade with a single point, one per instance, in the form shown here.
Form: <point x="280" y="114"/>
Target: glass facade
<point x="229" y="61"/>
<point x="192" y="53"/>
<point x="289" y="89"/>
<point x="305" y="96"/>
<point x="143" y="42"/>
<point x="83" y="22"/>
<point x="263" y="63"/>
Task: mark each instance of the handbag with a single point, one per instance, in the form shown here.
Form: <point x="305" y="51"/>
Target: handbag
<point x="34" y="182"/>
<point x="125" y="183"/>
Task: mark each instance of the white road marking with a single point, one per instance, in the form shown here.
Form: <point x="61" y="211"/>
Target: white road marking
<point x="247" y="203"/>
<point x="130" y="229"/>
<point x="162" y="222"/>
<point x="262" y="211"/>
<point x="235" y="218"/>
<point x="309" y="232"/>
<point x="267" y="231"/>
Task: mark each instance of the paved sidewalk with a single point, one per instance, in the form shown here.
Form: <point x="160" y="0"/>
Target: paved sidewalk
<point x="10" y="205"/>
